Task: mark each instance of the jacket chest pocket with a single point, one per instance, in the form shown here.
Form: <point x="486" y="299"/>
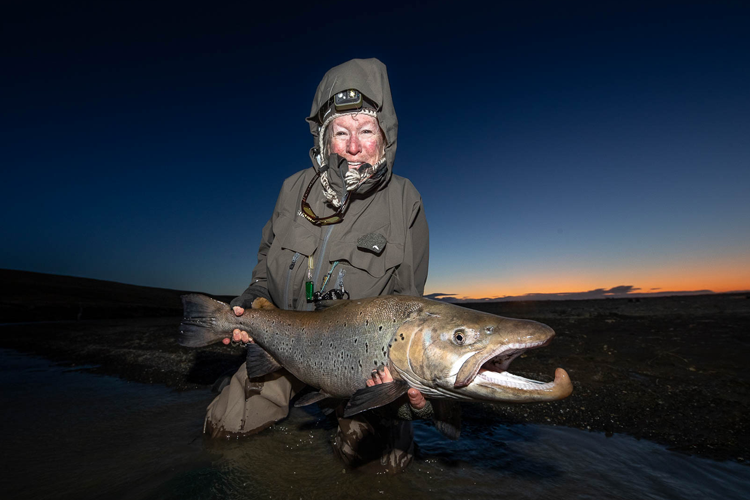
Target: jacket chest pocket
<point x="287" y="261"/>
<point x="363" y="270"/>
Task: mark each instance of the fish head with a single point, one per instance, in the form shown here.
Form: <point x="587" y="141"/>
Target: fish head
<point x="455" y="352"/>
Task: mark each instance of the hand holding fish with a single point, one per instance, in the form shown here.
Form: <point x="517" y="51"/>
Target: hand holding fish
<point x="416" y="399"/>
<point x="241" y="335"/>
<point x="237" y="334"/>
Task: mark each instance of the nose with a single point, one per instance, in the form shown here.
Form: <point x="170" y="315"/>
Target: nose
<point x="353" y="147"/>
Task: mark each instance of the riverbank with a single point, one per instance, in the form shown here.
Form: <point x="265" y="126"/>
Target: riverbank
<point x="667" y="369"/>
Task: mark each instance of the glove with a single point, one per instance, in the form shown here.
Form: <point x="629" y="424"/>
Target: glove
<point x="406" y="412"/>
<point x="245" y="300"/>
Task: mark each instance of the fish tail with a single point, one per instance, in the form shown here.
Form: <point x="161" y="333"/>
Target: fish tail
<point x="201" y="320"/>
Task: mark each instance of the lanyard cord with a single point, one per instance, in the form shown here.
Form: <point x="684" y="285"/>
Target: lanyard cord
<point x="325" y="281"/>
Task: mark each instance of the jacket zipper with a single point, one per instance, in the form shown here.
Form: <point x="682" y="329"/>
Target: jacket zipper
<point x="321" y="260"/>
<point x="287" y="302"/>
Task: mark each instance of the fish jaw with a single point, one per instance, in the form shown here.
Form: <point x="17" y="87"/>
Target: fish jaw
<point x="505" y="387"/>
<point x="476" y="369"/>
<point x="485" y="376"/>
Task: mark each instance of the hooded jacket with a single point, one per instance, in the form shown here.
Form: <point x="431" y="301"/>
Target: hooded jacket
<point x="380" y="247"/>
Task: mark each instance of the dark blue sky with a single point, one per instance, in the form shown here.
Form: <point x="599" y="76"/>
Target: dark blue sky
<point x="558" y="146"/>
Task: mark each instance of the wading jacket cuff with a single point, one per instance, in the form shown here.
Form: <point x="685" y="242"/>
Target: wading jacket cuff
<point x="406" y="412"/>
<point x="245" y="300"/>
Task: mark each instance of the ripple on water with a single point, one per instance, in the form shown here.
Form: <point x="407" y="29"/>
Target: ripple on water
<point x="91" y="436"/>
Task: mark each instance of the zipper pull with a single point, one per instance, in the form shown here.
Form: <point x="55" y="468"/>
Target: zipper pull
<point x="309" y="287"/>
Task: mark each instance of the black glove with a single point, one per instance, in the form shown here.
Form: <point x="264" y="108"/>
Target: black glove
<point x="245" y="300"/>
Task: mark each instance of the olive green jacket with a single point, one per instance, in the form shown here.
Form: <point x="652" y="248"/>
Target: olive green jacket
<point x="382" y="245"/>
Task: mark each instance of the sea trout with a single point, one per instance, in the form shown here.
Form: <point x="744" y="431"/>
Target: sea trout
<point x="445" y="351"/>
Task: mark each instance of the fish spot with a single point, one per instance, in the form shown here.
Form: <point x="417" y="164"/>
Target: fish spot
<point x="402" y="336"/>
<point x="367" y="322"/>
<point x="380" y="328"/>
<point x="367" y="347"/>
<point x="355" y="340"/>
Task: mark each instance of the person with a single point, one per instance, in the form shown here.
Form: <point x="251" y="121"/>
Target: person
<point x="347" y="227"/>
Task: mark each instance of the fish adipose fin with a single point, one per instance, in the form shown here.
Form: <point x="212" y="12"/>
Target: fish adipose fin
<point x="372" y="397"/>
<point x="447" y="418"/>
<point x="311" y="398"/>
<point x="259" y="362"/>
<point x="199" y="326"/>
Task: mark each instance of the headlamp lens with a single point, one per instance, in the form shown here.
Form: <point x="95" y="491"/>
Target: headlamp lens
<point x="348" y="99"/>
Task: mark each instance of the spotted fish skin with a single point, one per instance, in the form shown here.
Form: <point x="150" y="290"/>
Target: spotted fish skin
<point x="335" y="349"/>
<point x="445" y="351"/>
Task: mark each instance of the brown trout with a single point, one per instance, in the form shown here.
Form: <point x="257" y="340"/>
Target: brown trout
<point x="445" y="351"/>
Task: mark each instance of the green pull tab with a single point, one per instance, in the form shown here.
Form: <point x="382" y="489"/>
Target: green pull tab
<point x="309" y="288"/>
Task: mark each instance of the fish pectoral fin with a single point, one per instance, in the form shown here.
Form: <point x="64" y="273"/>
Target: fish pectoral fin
<point x="375" y="396"/>
<point x="447" y="418"/>
<point x="310" y="398"/>
<point x="259" y="362"/>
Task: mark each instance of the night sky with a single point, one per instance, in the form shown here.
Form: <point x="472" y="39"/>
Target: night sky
<point x="559" y="147"/>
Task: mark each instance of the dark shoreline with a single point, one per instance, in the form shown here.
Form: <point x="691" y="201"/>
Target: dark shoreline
<point x="667" y="369"/>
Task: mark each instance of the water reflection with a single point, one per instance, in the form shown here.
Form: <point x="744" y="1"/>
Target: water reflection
<point x="72" y="434"/>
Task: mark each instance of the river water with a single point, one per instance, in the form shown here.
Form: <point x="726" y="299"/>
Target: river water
<point x="68" y="433"/>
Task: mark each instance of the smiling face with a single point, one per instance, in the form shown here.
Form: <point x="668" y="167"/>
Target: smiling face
<point x="356" y="138"/>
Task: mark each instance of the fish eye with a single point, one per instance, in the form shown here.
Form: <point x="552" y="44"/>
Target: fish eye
<point x="459" y="337"/>
<point x="489" y="330"/>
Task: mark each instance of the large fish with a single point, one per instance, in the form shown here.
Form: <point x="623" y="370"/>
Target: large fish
<point x="445" y="351"/>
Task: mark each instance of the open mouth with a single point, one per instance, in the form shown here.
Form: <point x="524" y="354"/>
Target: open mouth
<point x="499" y="362"/>
<point x="493" y="372"/>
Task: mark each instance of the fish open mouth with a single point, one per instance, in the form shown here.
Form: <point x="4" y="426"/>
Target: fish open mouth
<point x="491" y="370"/>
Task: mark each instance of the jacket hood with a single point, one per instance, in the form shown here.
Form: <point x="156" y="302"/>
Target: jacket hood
<point x="370" y="77"/>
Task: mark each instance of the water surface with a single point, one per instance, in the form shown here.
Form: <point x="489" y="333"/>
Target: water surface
<point x="68" y="433"/>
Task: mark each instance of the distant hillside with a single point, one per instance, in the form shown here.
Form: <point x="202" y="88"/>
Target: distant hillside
<point x="27" y="296"/>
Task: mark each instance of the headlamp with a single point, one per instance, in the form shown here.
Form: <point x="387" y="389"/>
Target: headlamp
<point x="344" y="101"/>
<point x="347" y="99"/>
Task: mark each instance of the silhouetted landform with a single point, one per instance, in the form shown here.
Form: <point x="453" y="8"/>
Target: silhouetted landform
<point x="617" y="292"/>
<point x="669" y="369"/>
<point x="28" y="296"/>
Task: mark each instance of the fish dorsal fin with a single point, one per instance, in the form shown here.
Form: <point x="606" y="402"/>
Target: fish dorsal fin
<point x="375" y="396"/>
<point x="259" y="362"/>
<point x="310" y="398"/>
<point x="447" y="417"/>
